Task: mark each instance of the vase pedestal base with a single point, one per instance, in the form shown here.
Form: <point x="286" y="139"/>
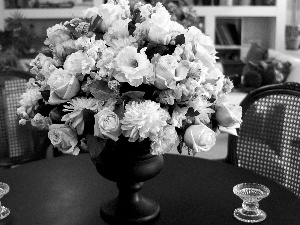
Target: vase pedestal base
<point x="139" y="211"/>
<point x="129" y="171"/>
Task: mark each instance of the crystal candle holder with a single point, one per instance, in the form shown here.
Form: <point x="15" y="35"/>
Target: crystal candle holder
<point x="251" y="194"/>
<point x="4" y="189"/>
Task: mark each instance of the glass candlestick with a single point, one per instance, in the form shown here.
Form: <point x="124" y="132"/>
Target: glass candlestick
<point x="251" y="194"/>
<point x="4" y="189"/>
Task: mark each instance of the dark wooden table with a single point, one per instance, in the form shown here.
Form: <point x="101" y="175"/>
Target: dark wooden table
<point x="68" y="190"/>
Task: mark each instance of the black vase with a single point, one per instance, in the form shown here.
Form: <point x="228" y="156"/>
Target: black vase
<point x="128" y="164"/>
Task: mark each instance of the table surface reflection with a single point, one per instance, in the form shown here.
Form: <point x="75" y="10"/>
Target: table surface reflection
<point x="68" y="190"/>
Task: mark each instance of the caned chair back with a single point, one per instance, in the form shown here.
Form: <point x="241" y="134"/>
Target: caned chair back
<point x="18" y="143"/>
<point x="268" y="140"/>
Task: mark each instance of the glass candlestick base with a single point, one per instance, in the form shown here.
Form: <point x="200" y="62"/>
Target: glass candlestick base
<point x="251" y="194"/>
<point x="249" y="217"/>
<point x="4" y="212"/>
<point x="4" y="189"/>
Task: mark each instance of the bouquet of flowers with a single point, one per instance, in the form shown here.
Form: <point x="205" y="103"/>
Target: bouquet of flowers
<point x="135" y="74"/>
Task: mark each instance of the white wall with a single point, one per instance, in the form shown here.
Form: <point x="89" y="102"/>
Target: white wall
<point x="289" y="14"/>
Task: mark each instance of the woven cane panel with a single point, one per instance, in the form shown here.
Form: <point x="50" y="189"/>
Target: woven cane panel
<point x="15" y="139"/>
<point x="269" y="139"/>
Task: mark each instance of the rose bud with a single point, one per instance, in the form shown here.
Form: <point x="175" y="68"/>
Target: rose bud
<point x="228" y="115"/>
<point x="199" y="138"/>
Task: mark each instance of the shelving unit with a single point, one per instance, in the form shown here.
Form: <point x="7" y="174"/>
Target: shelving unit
<point x="262" y="24"/>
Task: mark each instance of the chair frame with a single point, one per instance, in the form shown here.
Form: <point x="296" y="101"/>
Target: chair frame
<point x="291" y="88"/>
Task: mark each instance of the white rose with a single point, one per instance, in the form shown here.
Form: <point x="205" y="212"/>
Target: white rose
<point x="159" y="35"/>
<point x="193" y="34"/>
<point x="204" y="56"/>
<point x="229" y="117"/>
<point x="164" y="68"/>
<point x="57" y="35"/>
<point x="199" y="138"/>
<point x="64" y="138"/>
<point x="63" y="86"/>
<point x="164" y="34"/>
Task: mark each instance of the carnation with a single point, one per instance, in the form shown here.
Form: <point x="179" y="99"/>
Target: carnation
<point x="28" y="102"/>
<point x="143" y="120"/>
<point x="79" y="62"/>
<point x="166" y="141"/>
<point x="30" y="97"/>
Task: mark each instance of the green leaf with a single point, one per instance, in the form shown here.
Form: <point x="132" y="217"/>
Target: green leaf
<point x="179" y="40"/>
<point x="100" y="90"/>
<point x="134" y="94"/>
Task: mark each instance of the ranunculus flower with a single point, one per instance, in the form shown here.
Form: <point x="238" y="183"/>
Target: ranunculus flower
<point x="134" y="67"/>
<point x="107" y="124"/>
<point x="57" y="35"/>
<point x="64" y="138"/>
<point x="63" y="86"/>
<point x="229" y="117"/>
<point x="79" y="63"/>
<point x="199" y="138"/>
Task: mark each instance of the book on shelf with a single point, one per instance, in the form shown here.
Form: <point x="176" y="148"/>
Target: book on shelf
<point x="223" y="35"/>
<point x="220" y="37"/>
<point x="236" y="36"/>
<point x="227" y="33"/>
